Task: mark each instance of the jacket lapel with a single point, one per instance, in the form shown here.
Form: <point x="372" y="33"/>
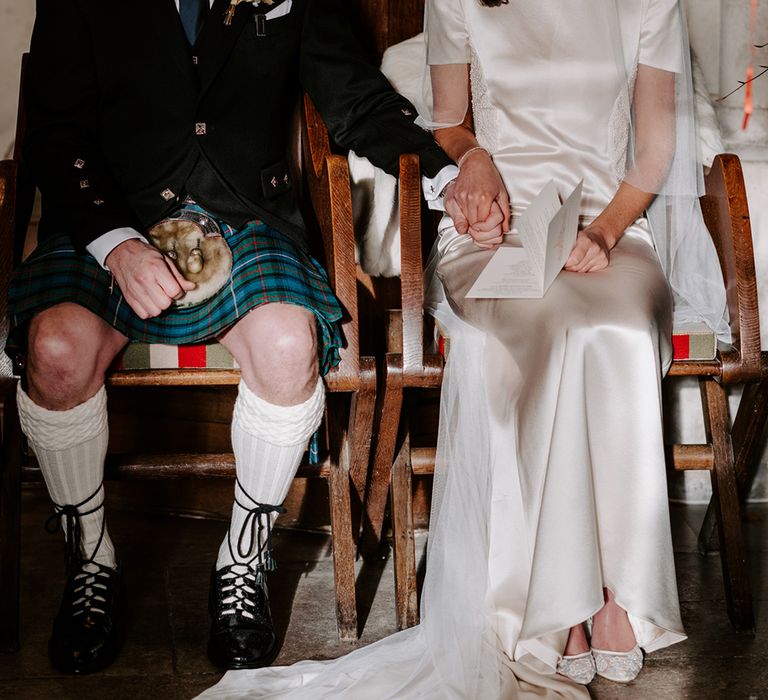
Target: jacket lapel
<point x="163" y="17"/>
<point x="217" y="39"/>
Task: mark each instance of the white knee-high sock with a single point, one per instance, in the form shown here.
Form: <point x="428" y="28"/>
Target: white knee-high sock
<point x="70" y="447"/>
<point x="268" y="442"/>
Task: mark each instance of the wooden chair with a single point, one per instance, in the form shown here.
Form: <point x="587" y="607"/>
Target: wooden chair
<point x="727" y="454"/>
<point x="351" y="386"/>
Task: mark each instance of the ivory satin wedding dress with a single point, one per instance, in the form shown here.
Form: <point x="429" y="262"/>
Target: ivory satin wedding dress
<point x="573" y="379"/>
<point x="550" y="478"/>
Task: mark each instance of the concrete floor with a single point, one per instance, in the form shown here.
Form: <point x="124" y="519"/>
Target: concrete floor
<point x="168" y="559"/>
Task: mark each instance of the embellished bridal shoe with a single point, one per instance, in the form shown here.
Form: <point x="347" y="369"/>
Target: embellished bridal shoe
<point x="619" y="666"/>
<point x="579" y="667"/>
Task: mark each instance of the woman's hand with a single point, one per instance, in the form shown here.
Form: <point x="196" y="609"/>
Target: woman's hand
<point x="489" y="234"/>
<point x="592" y="249"/>
<point x="478" y="202"/>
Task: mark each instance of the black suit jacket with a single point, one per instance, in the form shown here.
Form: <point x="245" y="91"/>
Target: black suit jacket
<point x="123" y="113"/>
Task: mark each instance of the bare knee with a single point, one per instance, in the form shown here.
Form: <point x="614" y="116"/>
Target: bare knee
<point x="69" y="349"/>
<point x="276" y="349"/>
<point x="293" y="343"/>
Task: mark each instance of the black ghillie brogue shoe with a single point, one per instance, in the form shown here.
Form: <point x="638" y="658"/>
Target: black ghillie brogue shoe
<point x="87" y="631"/>
<point x="241" y="635"/>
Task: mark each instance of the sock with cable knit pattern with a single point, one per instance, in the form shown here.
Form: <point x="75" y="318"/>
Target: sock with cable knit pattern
<point x="269" y="442"/>
<point x="70" y="447"/>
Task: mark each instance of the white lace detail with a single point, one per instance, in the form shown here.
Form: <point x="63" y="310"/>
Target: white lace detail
<point x="579" y="668"/>
<point x="621" y="667"/>
<point x="485" y="114"/>
<point x="619" y="128"/>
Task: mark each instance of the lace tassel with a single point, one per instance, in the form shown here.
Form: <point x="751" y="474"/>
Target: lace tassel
<point x="257" y="521"/>
<point x="314" y="449"/>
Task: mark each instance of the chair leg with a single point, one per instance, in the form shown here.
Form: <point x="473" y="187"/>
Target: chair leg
<point x="386" y="440"/>
<point x="727" y="506"/>
<point x="748" y="430"/>
<point x="341" y="526"/>
<point x="10" y="523"/>
<point x="362" y="408"/>
<point x="401" y="493"/>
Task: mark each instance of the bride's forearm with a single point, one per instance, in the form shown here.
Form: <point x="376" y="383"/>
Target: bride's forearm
<point x="627" y="205"/>
<point x="456" y="140"/>
<point x="453" y="97"/>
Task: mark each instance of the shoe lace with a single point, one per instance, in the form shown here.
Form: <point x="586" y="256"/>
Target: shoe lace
<point x="66" y="518"/>
<point x="89" y="590"/>
<point x="242" y="585"/>
<point x="257" y="523"/>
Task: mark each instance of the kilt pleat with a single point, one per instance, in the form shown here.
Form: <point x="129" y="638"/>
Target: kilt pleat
<point x="267" y="267"/>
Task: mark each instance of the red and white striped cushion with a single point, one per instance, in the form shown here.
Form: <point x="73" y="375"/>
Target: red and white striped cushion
<point x="156" y="356"/>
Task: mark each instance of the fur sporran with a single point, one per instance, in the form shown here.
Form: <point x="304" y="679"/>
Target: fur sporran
<point x="193" y="242"/>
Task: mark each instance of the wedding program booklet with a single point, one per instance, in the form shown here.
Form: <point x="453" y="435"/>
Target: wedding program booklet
<point x="547" y="231"/>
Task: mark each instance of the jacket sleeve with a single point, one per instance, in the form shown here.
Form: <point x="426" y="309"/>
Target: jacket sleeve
<point x="61" y="148"/>
<point x="359" y="106"/>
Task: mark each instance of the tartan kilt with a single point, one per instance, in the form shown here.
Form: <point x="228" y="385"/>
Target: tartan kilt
<point x="267" y="267"/>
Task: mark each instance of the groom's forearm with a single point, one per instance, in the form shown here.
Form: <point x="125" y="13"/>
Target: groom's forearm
<point x="358" y="105"/>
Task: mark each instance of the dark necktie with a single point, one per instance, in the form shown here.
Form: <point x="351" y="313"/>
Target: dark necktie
<point x="192" y="14"/>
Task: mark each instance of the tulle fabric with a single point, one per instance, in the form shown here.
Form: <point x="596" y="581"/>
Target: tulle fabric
<point x="454" y="653"/>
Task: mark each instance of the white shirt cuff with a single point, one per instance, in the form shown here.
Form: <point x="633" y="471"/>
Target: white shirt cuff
<point x="210" y="4"/>
<point x="106" y="243"/>
<point x="433" y="187"/>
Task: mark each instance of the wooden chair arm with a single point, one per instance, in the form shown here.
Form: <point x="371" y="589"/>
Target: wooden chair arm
<point x="8" y="179"/>
<point x="411" y="266"/>
<point x="328" y="184"/>
<point x="726" y="214"/>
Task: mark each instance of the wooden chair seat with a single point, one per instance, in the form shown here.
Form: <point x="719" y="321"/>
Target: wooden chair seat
<point x="727" y="455"/>
<point x="351" y="386"/>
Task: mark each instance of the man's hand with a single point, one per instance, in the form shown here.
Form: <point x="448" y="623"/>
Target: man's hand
<point x="478" y="202"/>
<point x="591" y="252"/>
<point x="148" y="280"/>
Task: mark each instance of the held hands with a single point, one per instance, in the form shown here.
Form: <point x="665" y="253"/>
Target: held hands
<point x="148" y="280"/>
<point x="591" y="252"/>
<point x="477" y="201"/>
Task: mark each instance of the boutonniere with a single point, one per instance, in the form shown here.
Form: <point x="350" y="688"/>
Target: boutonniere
<point x="230" y="13"/>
